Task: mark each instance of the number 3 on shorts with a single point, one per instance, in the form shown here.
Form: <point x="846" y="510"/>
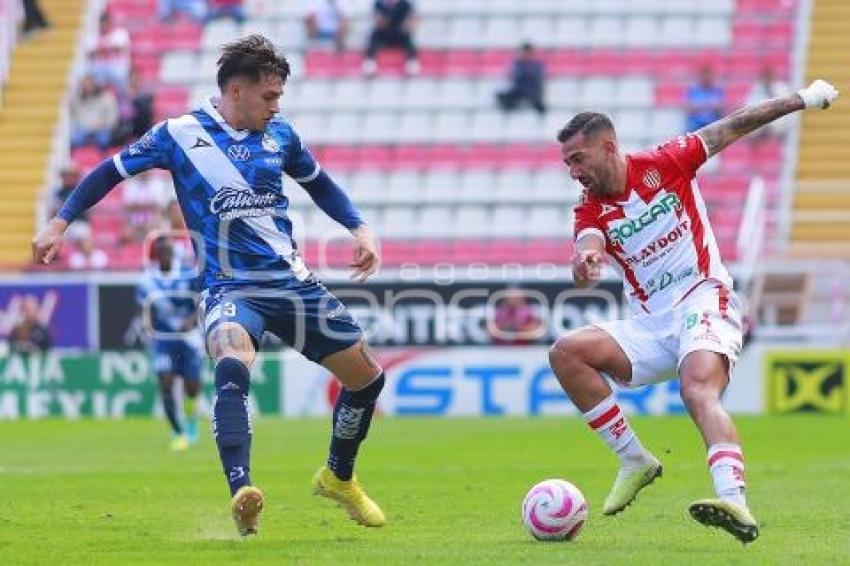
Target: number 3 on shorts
<point x="229" y="310"/>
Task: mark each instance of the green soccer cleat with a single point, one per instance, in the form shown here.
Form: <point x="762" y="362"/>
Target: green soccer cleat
<point x="179" y="443"/>
<point x="627" y="485"/>
<point x="731" y="517"/>
<point x="350" y="495"/>
<point x="245" y="508"/>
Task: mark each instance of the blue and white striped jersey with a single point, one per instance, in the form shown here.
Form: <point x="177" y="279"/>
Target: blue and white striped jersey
<point x="170" y="300"/>
<point x="230" y="188"/>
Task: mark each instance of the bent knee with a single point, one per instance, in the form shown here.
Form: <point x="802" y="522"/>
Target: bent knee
<point x="567" y="351"/>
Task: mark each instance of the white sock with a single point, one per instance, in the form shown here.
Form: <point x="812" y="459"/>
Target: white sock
<point x="611" y="424"/>
<point x="726" y="463"/>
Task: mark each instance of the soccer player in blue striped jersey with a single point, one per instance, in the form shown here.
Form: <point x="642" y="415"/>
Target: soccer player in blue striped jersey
<point x="226" y="159"/>
<point x="166" y="297"/>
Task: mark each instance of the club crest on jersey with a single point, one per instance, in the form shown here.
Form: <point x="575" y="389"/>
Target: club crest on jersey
<point x="652" y="179"/>
<point x="239" y="152"/>
<point x="270" y="144"/>
<point x="625" y="230"/>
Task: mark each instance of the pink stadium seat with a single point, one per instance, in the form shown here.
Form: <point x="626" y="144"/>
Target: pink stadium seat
<point x="468" y="251"/>
<point x="170" y="101"/>
<point x="86" y="157"/>
<point x="748" y="33"/>
<point x="396" y="252"/>
<point x="665" y="63"/>
<point x="132" y="13"/>
<point x="411" y="156"/>
<point x="378" y="157"/>
<point x="429" y="252"/>
<point x="340" y="156"/>
<point x="447" y="155"/>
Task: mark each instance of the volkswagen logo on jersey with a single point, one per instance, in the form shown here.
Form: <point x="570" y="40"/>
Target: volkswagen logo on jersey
<point x="239" y="152"/>
<point x="229" y="203"/>
<point x="270" y="144"/>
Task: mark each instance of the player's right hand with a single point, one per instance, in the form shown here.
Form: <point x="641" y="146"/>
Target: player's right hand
<point x="587" y="267"/>
<point x="48" y="241"/>
<point x="819" y="94"/>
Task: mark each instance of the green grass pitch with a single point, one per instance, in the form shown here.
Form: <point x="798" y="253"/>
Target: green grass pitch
<point x="110" y="492"/>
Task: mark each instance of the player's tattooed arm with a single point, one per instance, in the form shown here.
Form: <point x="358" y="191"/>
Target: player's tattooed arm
<point x="723" y="132"/>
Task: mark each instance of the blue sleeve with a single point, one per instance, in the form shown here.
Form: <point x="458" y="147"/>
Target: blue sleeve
<point x="299" y="162"/>
<point x="333" y="201"/>
<point x="91" y="189"/>
<point x="151" y="151"/>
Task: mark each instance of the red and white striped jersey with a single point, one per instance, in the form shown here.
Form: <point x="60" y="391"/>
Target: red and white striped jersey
<point x="657" y="232"/>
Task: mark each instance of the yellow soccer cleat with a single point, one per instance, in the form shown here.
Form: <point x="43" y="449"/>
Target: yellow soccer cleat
<point x="350" y="495"/>
<point x="628" y="484"/>
<point x="731" y="517"/>
<point x="179" y="443"/>
<point x="246" y="507"/>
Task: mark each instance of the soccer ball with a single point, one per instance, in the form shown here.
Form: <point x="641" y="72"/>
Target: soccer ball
<point x="554" y="510"/>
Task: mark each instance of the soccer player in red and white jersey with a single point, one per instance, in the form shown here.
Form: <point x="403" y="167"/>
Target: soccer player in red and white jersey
<point x="645" y="212"/>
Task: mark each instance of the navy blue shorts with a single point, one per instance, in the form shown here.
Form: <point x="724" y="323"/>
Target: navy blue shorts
<point x="177" y="357"/>
<point x="304" y="314"/>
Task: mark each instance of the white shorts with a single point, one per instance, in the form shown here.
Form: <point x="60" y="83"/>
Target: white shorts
<point x="709" y="318"/>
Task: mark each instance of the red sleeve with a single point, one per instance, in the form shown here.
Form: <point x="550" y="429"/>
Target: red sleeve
<point x="688" y="153"/>
<point x="587" y="219"/>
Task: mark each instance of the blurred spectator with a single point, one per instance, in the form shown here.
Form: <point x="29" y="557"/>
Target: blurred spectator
<point x="768" y="86"/>
<point x="94" y="115"/>
<point x="34" y="19"/>
<point x="225" y="9"/>
<point x="515" y="321"/>
<point x="195" y="9"/>
<point x="327" y="21"/>
<point x="704" y="101"/>
<point x="526" y="80"/>
<point x="394" y="21"/>
<point x="110" y="56"/>
<point x="137" y="112"/>
<point x="145" y="197"/>
<point x="68" y="178"/>
<point x="29" y="334"/>
<point x="87" y="256"/>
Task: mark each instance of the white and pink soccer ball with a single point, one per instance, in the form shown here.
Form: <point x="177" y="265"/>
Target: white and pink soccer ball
<point x="554" y="510"/>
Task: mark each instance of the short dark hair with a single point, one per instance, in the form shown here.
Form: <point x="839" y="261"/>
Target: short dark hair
<point x="586" y="123"/>
<point x="252" y="56"/>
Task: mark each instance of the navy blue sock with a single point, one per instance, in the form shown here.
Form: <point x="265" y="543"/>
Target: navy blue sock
<point x="231" y="424"/>
<point x="352" y="416"/>
<point x="170" y="409"/>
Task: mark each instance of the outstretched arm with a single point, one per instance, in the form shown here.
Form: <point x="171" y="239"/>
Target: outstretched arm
<point x="93" y="187"/>
<point x="723" y="132"/>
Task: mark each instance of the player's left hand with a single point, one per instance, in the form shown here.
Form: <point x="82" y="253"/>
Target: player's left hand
<point x="367" y="260"/>
<point x="47" y="243"/>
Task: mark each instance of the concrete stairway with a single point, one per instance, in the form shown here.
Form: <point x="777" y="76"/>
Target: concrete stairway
<point x="28" y="116"/>
<point x="821" y="221"/>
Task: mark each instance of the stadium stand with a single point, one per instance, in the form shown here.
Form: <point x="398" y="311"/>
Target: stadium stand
<point x="822" y="205"/>
<point x="32" y="99"/>
<point x="440" y="172"/>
